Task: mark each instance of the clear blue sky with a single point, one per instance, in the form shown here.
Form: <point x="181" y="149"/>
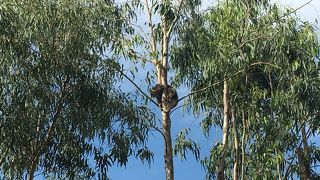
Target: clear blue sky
<point x="191" y="169"/>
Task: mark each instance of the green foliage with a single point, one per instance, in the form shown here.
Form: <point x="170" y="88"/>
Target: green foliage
<point x="57" y="90"/>
<point x="268" y="58"/>
<point x="182" y="145"/>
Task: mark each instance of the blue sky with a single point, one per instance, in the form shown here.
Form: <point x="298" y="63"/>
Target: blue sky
<point x="190" y="169"/>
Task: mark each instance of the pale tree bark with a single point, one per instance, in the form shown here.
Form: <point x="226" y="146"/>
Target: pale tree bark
<point x="168" y="158"/>
<point x="166" y="121"/>
<point x="244" y="131"/>
<point x="222" y="162"/>
<point x="279" y="169"/>
<point x="235" y="144"/>
<point x="161" y="66"/>
<point x="243" y="145"/>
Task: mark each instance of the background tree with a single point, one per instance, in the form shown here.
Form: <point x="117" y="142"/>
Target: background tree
<point x="267" y="58"/>
<point x="59" y="104"/>
<point x="150" y="45"/>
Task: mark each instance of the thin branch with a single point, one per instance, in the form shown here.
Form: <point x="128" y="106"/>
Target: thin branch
<point x="214" y="84"/>
<point x="178" y="108"/>
<point x="265" y="63"/>
<point x="57" y="111"/>
<point x="159" y="130"/>
<point x="139" y="27"/>
<point x="285" y="15"/>
<point x="252" y="39"/>
<point x="205" y="88"/>
<point x="295" y="10"/>
<point x="36" y="154"/>
<point x="134" y="54"/>
<point x="139" y="89"/>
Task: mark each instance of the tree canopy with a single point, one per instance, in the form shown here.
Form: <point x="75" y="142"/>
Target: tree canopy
<point x="59" y="101"/>
<point x="267" y="57"/>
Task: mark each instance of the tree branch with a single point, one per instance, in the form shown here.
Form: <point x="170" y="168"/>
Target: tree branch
<point x="177" y="108"/>
<point x="36" y="154"/>
<point x="214" y="84"/>
<point x="295" y="10"/>
<point x="139" y="89"/>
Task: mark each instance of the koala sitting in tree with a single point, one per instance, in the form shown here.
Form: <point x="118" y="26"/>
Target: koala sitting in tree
<point x="158" y="90"/>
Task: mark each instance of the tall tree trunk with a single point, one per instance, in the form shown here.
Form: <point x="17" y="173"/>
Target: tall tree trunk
<point x="279" y="170"/>
<point x="243" y="145"/>
<point x="161" y="66"/>
<point x="236" y="143"/>
<point x="222" y="162"/>
<point x="244" y="126"/>
<point x="33" y="166"/>
<point x="168" y="158"/>
<point x="166" y="121"/>
<point x="304" y="165"/>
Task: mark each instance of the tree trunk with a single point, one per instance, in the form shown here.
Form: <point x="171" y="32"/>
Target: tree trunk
<point x="166" y="121"/>
<point x="236" y="144"/>
<point x="243" y="147"/>
<point x="168" y="158"/>
<point x="304" y="137"/>
<point x="33" y="166"/>
<point x="279" y="171"/>
<point x="244" y="126"/>
<point x="222" y="162"/>
<point x="304" y="165"/>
